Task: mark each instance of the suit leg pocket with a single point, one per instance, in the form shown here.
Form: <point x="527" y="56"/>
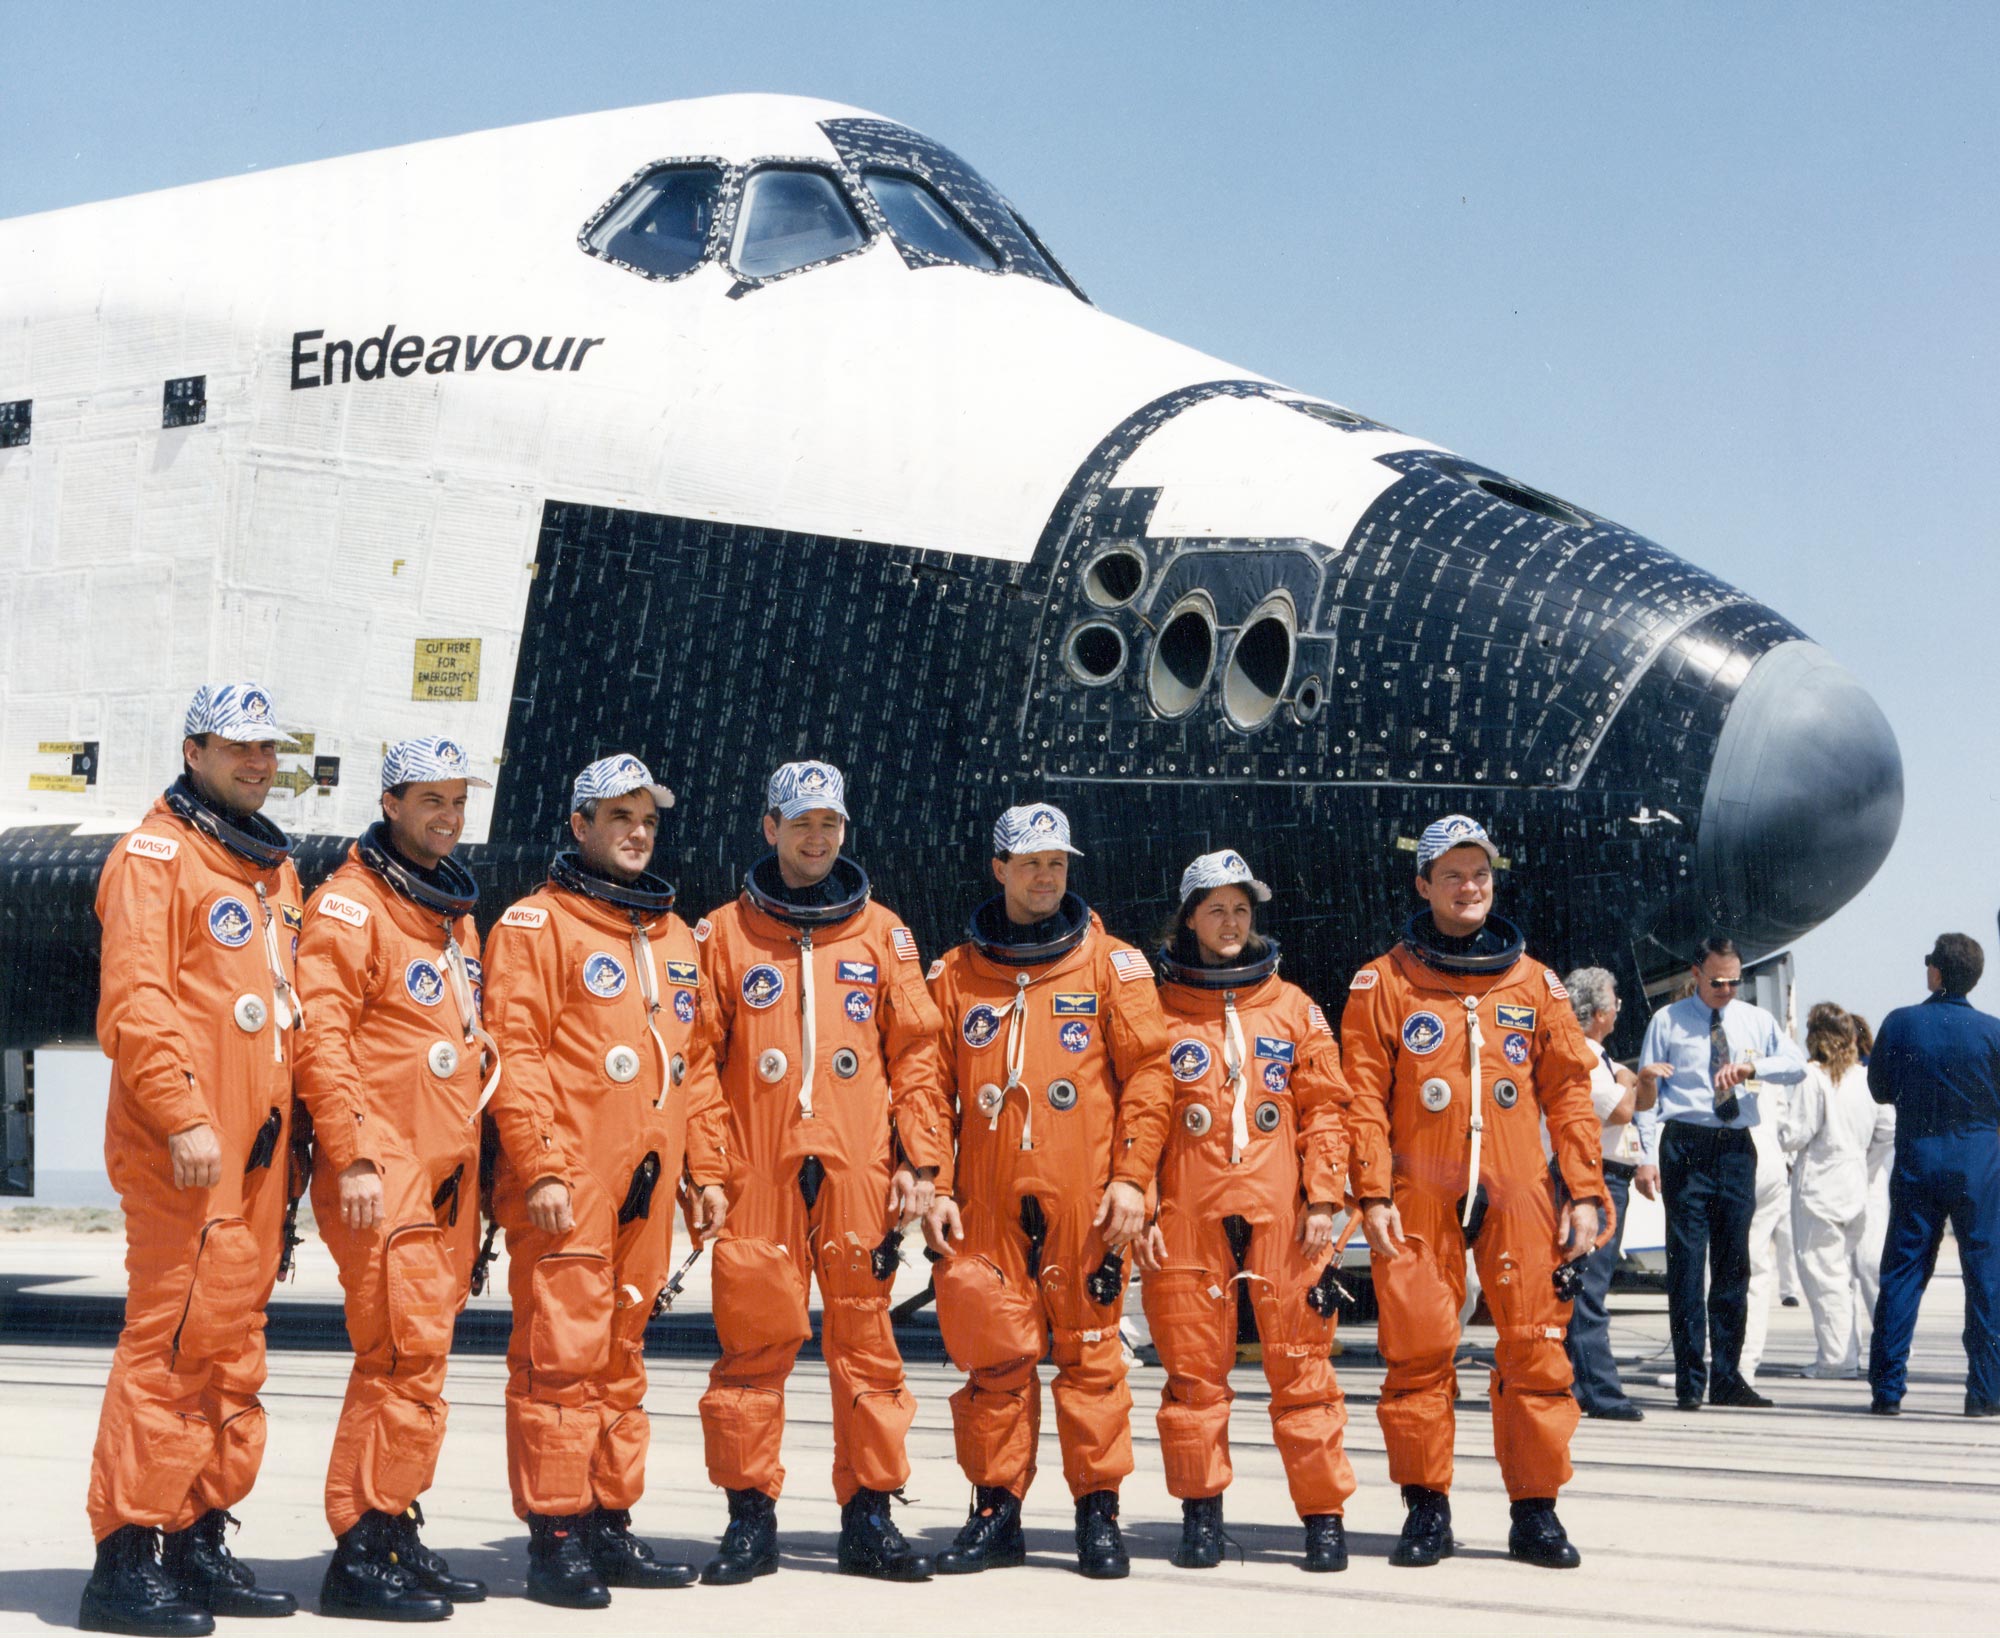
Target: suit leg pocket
<point x="571" y="1332"/>
<point x="222" y="1296"/>
<point x="986" y="1321"/>
<point x="422" y="1292"/>
<point x="760" y="1300"/>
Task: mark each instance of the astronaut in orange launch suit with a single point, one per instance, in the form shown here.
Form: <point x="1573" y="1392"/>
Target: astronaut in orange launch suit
<point x="1453" y="1044"/>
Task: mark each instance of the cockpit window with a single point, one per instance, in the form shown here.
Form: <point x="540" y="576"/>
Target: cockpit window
<point x="1050" y="267"/>
<point x="922" y="222"/>
<point x="661" y="226"/>
<point x="870" y="145"/>
<point x="791" y="218"/>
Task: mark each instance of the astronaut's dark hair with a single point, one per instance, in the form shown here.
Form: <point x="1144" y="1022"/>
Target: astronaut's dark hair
<point x="399" y="790"/>
<point x="1176" y="934"/>
<point x="1959" y="961"/>
<point x="1716" y="946"/>
<point x="588" y="808"/>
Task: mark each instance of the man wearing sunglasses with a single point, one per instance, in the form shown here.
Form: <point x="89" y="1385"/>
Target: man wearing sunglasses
<point x="1939" y="1064"/>
<point x="1713" y="1056"/>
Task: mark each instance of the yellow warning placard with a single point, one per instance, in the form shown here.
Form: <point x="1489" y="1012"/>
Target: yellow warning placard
<point x="57" y="782"/>
<point x="61" y="747"/>
<point x="447" y="668"/>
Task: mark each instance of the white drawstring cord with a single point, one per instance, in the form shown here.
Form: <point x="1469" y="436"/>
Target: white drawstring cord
<point x="649" y="987"/>
<point x="468" y="1013"/>
<point x="1232" y="1063"/>
<point x="1474" y="1041"/>
<point x="1017" y="1059"/>
<point x="287" y="1009"/>
<point x="806" y="1047"/>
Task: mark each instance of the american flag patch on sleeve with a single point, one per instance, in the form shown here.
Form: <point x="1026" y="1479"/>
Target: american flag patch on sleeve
<point x="1130" y="965"/>
<point x="1317" y="1019"/>
<point x="905" y="942"/>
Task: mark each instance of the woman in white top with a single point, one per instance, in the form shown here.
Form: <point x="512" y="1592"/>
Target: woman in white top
<point x="1881" y="1150"/>
<point x="1828" y="1122"/>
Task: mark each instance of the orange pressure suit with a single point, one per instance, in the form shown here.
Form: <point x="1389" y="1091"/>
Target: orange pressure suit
<point x="392" y="1073"/>
<point x="196" y="1015"/>
<point x="1060" y="1077"/>
<point x="824" y="1030"/>
<point x="595" y="999"/>
<point x="1449" y="1069"/>
<point x="1258" y="1133"/>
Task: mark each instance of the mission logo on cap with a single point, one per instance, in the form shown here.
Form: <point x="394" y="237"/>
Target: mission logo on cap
<point x="428" y="761"/>
<point x="801" y="787"/>
<point x="616" y="776"/>
<point x="239" y="711"/>
<point x="1224" y="869"/>
<point x="1033" y="828"/>
<point x="1453" y="830"/>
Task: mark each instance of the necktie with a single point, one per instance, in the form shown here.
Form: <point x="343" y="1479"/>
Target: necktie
<point x="1726" y="1106"/>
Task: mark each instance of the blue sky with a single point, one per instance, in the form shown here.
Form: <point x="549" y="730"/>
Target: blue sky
<point x="1727" y="274"/>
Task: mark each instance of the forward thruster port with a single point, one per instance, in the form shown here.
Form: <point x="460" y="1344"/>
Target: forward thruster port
<point x="1183" y="659"/>
<point x="1260" y="666"/>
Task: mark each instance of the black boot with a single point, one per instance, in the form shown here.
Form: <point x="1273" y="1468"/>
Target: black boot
<point x="990" y="1538"/>
<point x="128" y="1591"/>
<point x="210" y="1575"/>
<point x="870" y="1543"/>
<point x="559" y="1568"/>
<point x="1538" y="1536"/>
<point x="750" y="1544"/>
<point x="432" y="1573"/>
<point x="623" y="1560"/>
<point x="1426" y="1534"/>
<point x="366" y="1582"/>
<point x="1201" y="1534"/>
<point x="1326" y="1542"/>
<point x="1100" y="1549"/>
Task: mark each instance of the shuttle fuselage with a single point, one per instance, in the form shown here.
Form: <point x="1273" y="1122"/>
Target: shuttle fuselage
<point x="735" y="430"/>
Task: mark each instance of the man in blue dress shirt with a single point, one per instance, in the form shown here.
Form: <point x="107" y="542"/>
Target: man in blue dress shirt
<point x="1711" y="1055"/>
<point x="1939" y="1064"/>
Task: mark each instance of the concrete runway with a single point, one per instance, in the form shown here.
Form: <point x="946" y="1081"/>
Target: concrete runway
<point x="1810" y="1519"/>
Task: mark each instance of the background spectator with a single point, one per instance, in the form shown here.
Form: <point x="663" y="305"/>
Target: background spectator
<point x="1939" y="1064"/>
<point x="1715" y="1057"/>
<point x="1827" y="1123"/>
<point x="1881" y="1151"/>
<point x="1616" y="1093"/>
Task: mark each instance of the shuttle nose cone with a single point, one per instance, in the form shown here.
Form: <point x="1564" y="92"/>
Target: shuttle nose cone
<point x="1803" y="799"/>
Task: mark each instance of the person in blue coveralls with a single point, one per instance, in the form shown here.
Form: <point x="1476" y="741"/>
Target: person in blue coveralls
<point x="1939" y="1064"/>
